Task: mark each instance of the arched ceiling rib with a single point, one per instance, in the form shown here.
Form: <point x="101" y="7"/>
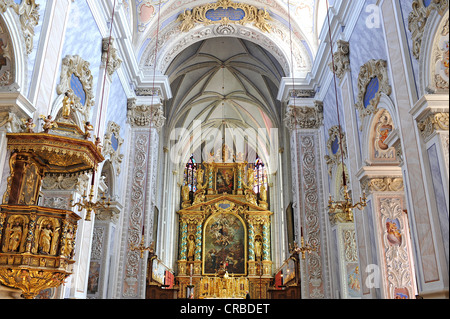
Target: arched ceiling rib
<point x="225" y="84"/>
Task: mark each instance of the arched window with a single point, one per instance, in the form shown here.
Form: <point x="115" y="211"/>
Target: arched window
<point x="190" y="174"/>
<point x="260" y="175"/>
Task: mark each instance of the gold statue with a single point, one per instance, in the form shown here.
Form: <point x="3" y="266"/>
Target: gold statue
<point x="49" y="123"/>
<point x="250" y="179"/>
<point x="263" y="193"/>
<point x="200" y="172"/>
<point x="87" y="130"/>
<point x="187" y="21"/>
<point x="191" y="249"/>
<point x="15" y="237"/>
<point x="261" y="20"/>
<point x="67" y="249"/>
<point x="258" y="249"/>
<point x="29" y="125"/>
<point x="67" y="105"/>
<point x="45" y="239"/>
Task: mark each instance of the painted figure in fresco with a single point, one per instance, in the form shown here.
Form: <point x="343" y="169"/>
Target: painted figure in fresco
<point x="213" y="258"/>
<point x="393" y="233"/>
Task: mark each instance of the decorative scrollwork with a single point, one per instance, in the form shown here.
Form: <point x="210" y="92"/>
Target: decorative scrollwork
<point x="230" y="12"/>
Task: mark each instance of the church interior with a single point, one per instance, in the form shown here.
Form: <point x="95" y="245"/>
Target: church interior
<point x="263" y="149"/>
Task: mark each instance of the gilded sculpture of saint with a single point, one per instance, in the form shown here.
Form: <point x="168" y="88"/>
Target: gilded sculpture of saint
<point x="15" y="237"/>
<point x="185" y="193"/>
<point x="263" y="193"/>
<point x="68" y="245"/>
<point x="67" y="105"/>
<point x="200" y="178"/>
<point x="45" y="239"/>
<point x="258" y="249"/>
<point x="191" y="248"/>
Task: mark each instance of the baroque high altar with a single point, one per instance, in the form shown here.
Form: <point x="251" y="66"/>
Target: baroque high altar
<point x="225" y="242"/>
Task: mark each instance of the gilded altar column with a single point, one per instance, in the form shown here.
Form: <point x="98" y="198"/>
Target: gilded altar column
<point x="145" y="116"/>
<point x="182" y="263"/>
<point x="304" y="118"/>
<point x="266" y="256"/>
<point x="198" y="242"/>
<point x="251" y="248"/>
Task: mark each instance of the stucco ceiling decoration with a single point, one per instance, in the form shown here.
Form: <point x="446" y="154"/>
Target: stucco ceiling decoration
<point x="225" y="83"/>
<point x="277" y="41"/>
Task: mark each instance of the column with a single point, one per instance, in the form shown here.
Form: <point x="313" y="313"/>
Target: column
<point x="353" y="163"/>
<point x="304" y="118"/>
<point x="145" y="116"/>
<point x="428" y="239"/>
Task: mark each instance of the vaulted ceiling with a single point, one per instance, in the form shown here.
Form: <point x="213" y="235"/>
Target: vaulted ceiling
<point x="225" y="83"/>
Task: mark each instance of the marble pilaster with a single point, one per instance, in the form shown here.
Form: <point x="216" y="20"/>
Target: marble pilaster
<point x="304" y="117"/>
<point x="145" y="115"/>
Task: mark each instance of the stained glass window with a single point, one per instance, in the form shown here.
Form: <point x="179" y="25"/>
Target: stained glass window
<point x="190" y="174"/>
<point x="260" y="175"/>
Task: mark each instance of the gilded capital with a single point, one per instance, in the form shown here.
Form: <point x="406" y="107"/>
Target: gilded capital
<point x="432" y="123"/>
<point x="386" y="184"/>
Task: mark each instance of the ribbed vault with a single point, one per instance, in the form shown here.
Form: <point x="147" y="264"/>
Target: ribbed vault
<point x="225" y="83"/>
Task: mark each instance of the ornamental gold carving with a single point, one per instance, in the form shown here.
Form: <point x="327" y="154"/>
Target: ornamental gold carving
<point x="386" y="184"/>
<point x="370" y="70"/>
<point x="434" y="122"/>
<point x="250" y="14"/>
<point x="418" y="18"/>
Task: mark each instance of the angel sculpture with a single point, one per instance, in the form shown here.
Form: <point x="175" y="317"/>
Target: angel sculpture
<point x="49" y="123"/>
<point x="187" y="21"/>
<point x="87" y="130"/>
<point x="29" y="125"/>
